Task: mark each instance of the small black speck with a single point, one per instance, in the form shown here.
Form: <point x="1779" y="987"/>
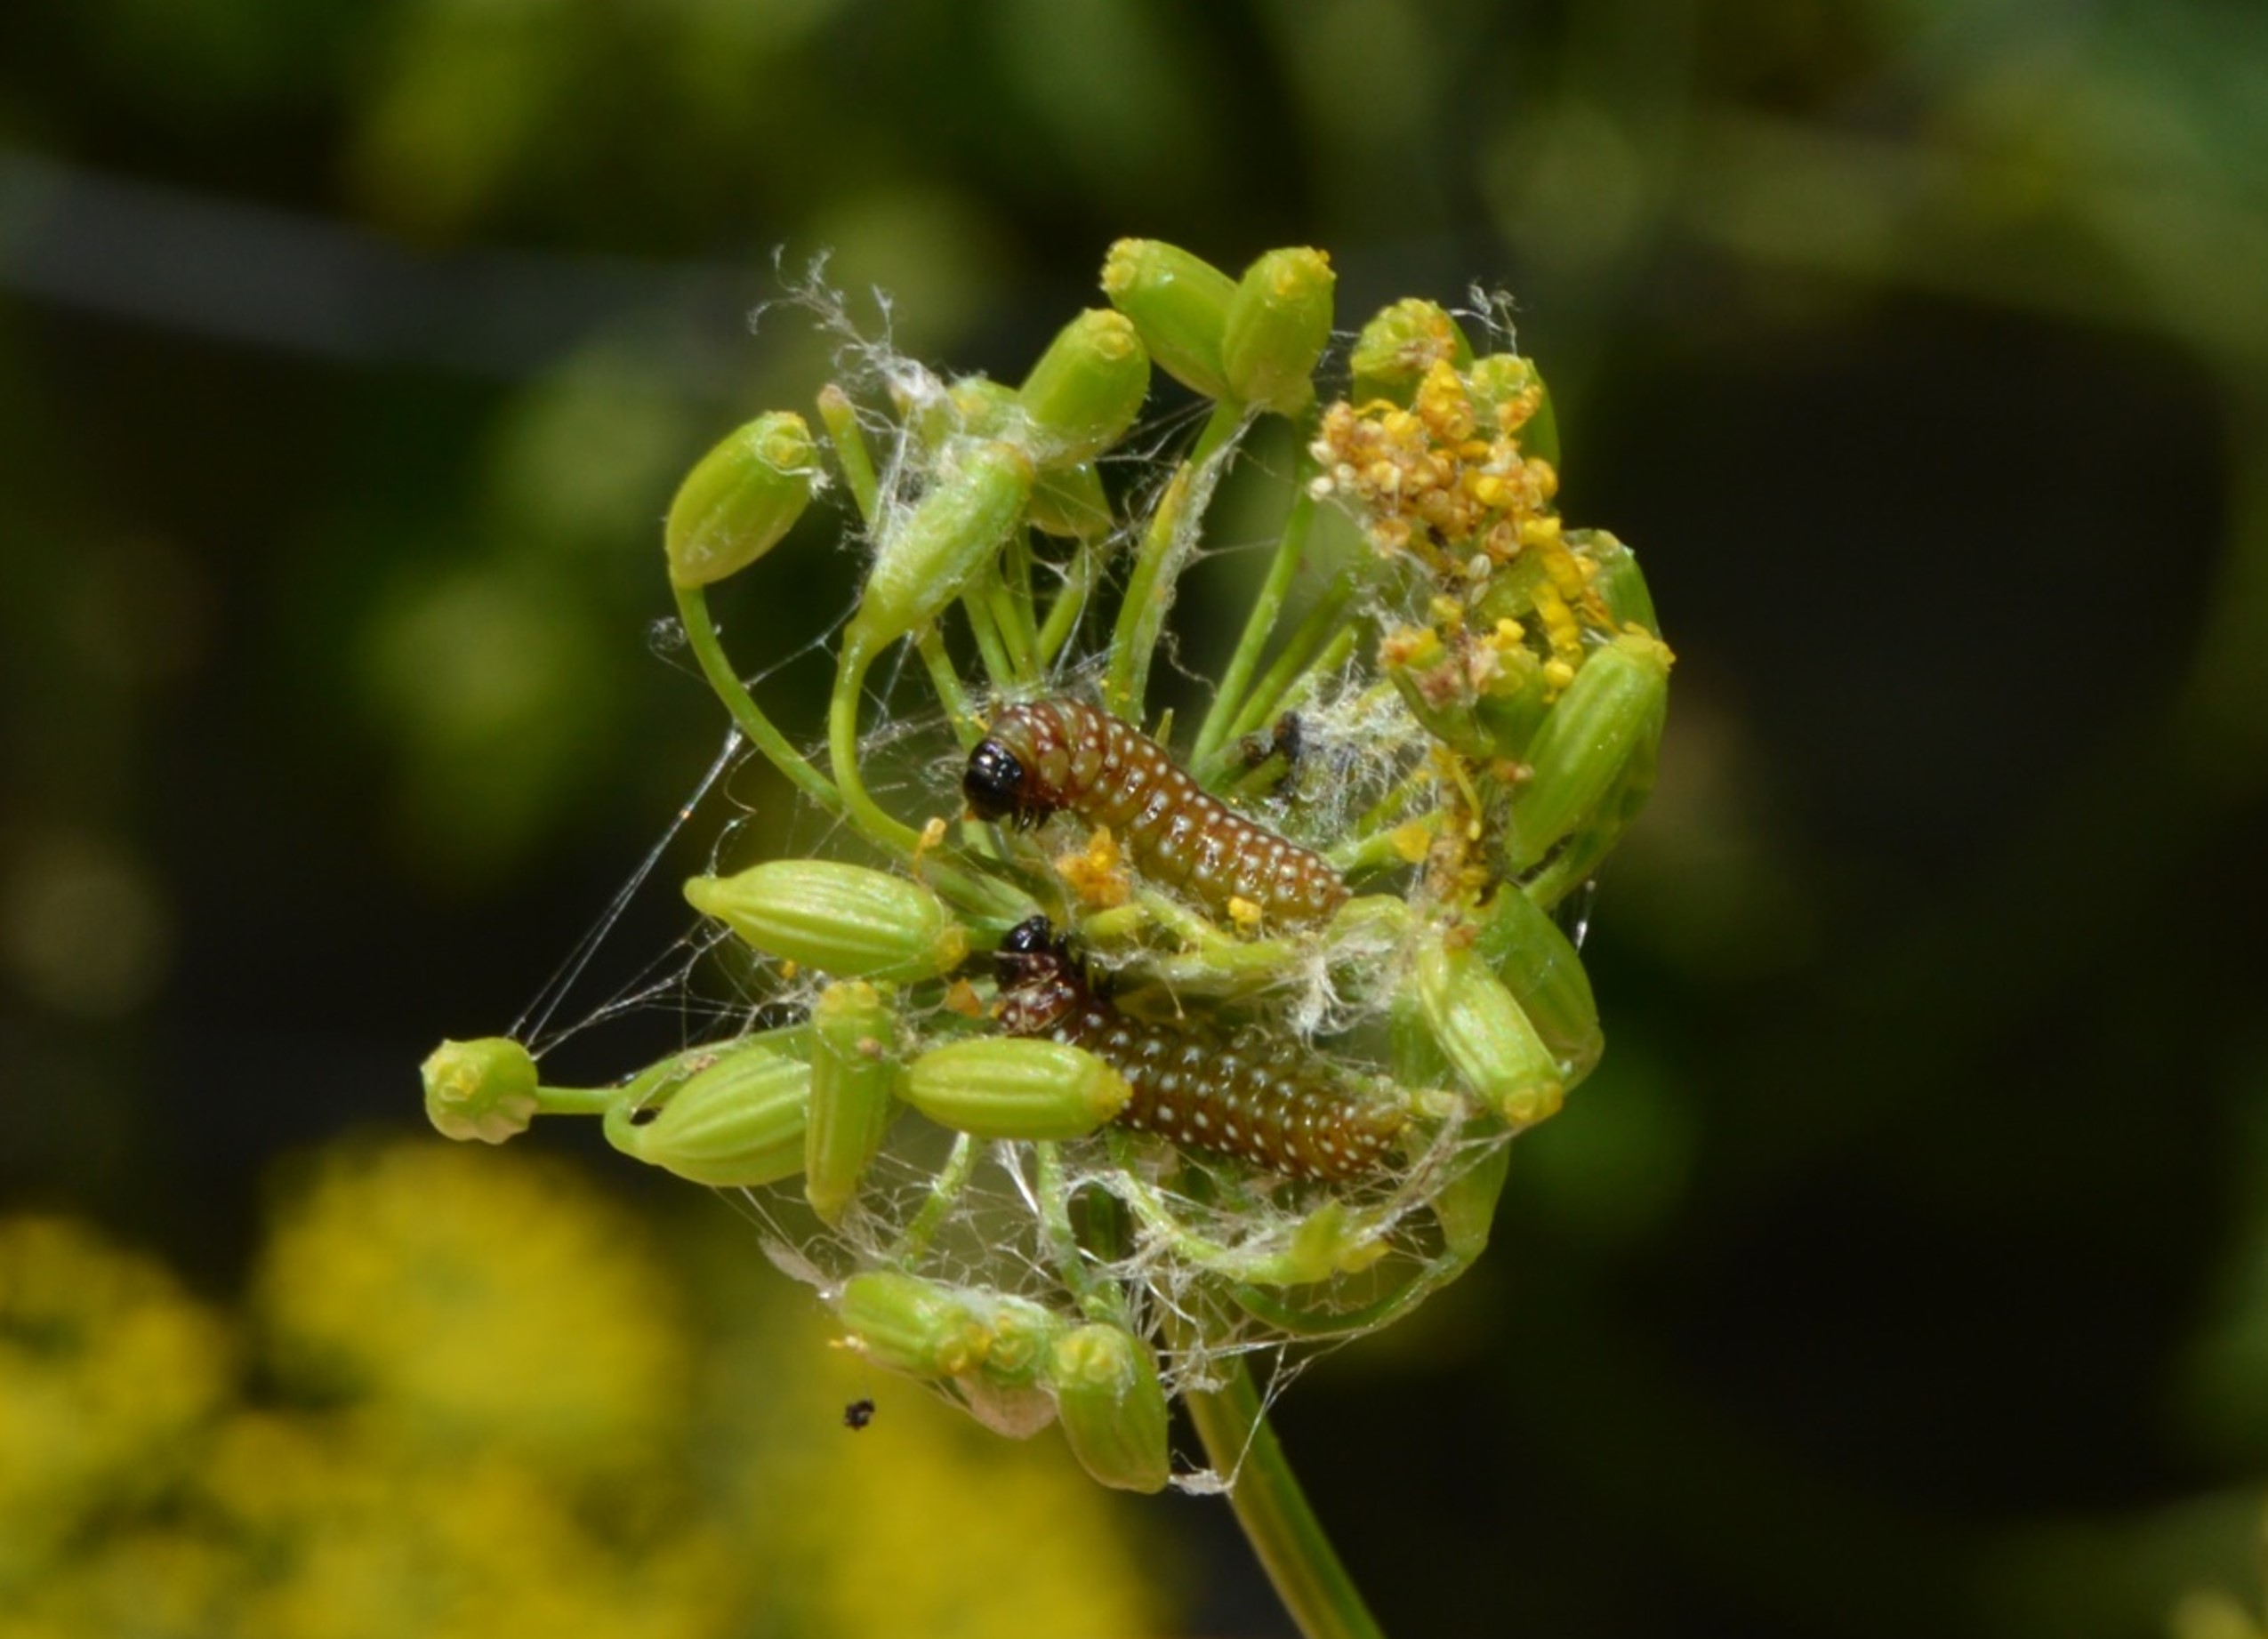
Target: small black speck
<point x="857" y="1414"/>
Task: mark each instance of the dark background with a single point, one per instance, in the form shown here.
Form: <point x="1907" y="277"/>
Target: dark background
<point x="1902" y="1270"/>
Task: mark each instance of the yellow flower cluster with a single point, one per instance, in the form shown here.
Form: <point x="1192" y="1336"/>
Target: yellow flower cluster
<point x="493" y="1416"/>
<point x="1442" y="479"/>
<point x="1444" y="482"/>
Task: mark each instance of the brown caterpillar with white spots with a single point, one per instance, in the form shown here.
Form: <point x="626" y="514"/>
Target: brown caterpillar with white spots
<point x="1268" y="1105"/>
<point x="1056" y="754"/>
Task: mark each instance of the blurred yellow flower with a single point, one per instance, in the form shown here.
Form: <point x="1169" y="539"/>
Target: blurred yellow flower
<point x="516" y="1307"/>
<point x="499" y="1421"/>
<point x="106" y="1369"/>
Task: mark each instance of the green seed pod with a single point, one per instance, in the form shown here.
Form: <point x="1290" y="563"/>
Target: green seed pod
<point x="1619" y="584"/>
<point x="1020" y="1334"/>
<point x="736" y="1122"/>
<point x="1278" y="327"/>
<point x="1015" y="1087"/>
<point x="842" y="920"/>
<point x="1069" y="500"/>
<point x="1398" y="346"/>
<point x="1178" y="303"/>
<point x="1112" y="1406"/>
<point x="1594" y="838"/>
<point x="483" y="1089"/>
<point x="1615" y="705"/>
<point x="1086" y="390"/>
<point x="931" y="552"/>
<point x="740" y="499"/>
<point x="905" y="1324"/>
<point x="1517" y="940"/>
<point x="852" y="1070"/>
<point x="1482" y="1032"/>
<point x="658" y="1083"/>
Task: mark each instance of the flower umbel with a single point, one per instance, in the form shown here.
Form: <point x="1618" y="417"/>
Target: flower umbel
<point x="1212" y="1040"/>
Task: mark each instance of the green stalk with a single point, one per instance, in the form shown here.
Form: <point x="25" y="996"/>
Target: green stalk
<point x="929" y="643"/>
<point x="842" y="746"/>
<point x="1261" y="623"/>
<point x="1373" y="851"/>
<point x="1319" y="642"/>
<point x="1070" y="602"/>
<point x="1012" y="606"/>
<point x="944" y="1190"/>
<point x="1098" y="1300"/>
<point x="840" y="416"/>
<point x="1285" y="1534"/>
<point x="1320" y="633"/>
<point x="989" y="647"/>
<point x="747" y="715"/>
<point x="576" y="1100"/>
<point x="1157" y="564"/>
<point x="992" y="902"/>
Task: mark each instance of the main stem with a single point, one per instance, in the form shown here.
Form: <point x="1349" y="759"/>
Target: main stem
<point x="1273" y="1510"/>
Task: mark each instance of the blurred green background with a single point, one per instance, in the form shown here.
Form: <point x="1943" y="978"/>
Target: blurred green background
<point x="1904" y="1269"/>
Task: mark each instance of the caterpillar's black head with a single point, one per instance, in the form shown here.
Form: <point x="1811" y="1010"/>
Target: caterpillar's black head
<point x="994" y="785"/>
<point x="1030" y="951"/>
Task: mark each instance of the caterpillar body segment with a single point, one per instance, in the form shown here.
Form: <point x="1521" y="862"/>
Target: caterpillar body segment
<point x="1269" y="1105"/>
<point x="1052" y="754"/>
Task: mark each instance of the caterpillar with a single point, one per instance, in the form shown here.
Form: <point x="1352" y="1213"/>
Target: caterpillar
<point x="1056" y="754"/>
<point x="1266" y="1105"/>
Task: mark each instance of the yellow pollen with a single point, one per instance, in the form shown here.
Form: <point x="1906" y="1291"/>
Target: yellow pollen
<point x="1098" y="872"/>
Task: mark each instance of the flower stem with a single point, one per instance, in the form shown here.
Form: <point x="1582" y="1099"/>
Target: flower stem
<point x="1165" y="549"/>
<point x="843" y="745"/>
<point x="1070" y="602"/>
<point x="1272" y="1509"/>
<point x="747" y="715"/>
<point x="1259" y="625"/>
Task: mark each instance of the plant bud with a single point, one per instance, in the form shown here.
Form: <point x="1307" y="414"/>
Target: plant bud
<point x="740" y="499"/>
<point x="1596" y="834"/>
<point x="1518" y="941"/>
<point x="1398" y="346"/>
<point x="1003" y="1087"/>
<point x="1086" y="390"/>
<point x="1069" y="500"/>
<point x="1065" y="500"/>
<point x="483" y="1089"/>
<point x="932" y="550"/>
<point x="852" y="1068"/>
<point x="842" y="920"/>
<point x="1278" y="327"/>
<point x="1614" y="706"/>
<point x="1180" y="305"/>
<point x="1506" y="379"/>
<point x="1019" y="1334"/>
<point x="738" y="1122"/>
<point x="1482" y="1030"/>
<point x="905" y="1324"/>
<point x="1112" y="1406"/>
